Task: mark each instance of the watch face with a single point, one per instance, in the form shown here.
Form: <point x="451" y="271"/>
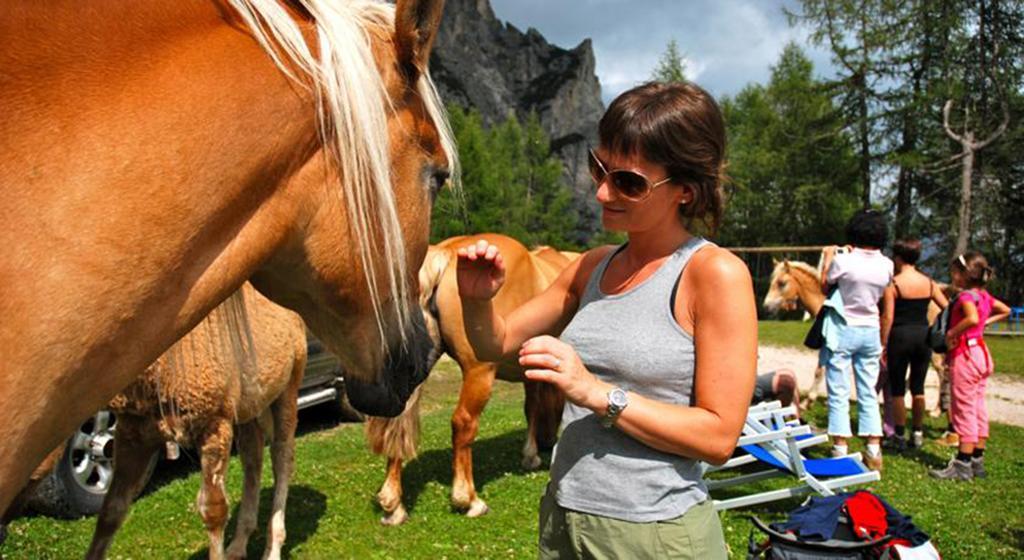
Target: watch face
<point x="617" y="398"/>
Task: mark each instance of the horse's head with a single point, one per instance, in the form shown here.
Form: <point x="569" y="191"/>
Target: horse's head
<point x="783" y="291"/>
<point x="351" y="271"/>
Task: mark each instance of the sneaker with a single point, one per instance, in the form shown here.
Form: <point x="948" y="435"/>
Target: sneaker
<point x="839" y="452"/>
<point x="895" y="443"/>
<point x="955" y="470"/>
<point x="917" y="439"/>
<point x="978" y="467"/>
<point x="949" y="439"/>
<point x="873" y="461"/>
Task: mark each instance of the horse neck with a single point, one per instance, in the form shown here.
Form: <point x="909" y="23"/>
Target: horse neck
<point x="808" y="290"/>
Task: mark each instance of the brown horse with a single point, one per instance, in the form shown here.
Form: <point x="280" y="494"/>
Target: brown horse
<point x="527" y="274"/>
<point x="198" y="404"/>
<point x="794" y="282"/>
<point x="155" y="155"/>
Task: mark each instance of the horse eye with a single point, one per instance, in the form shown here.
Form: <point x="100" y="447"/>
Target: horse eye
<point x="437" y="181"/>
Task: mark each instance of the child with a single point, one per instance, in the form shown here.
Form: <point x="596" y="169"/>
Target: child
<point x="970" y="363"/>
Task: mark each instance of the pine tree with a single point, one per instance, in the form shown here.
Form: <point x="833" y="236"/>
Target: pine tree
<point x="671" y="67"/>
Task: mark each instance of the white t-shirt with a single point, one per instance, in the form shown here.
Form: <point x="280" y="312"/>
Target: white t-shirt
<point x="862" y="276"/>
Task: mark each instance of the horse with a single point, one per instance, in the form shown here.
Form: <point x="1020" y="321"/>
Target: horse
<point x="795" y="282"/>
<point x="206" y="403"/>
<point x="155" y="155"/>
<point x="527" y="274"/>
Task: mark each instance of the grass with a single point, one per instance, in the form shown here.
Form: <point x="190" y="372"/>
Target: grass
<point x="332" y="513"/>
<point x="1007" y="352"/>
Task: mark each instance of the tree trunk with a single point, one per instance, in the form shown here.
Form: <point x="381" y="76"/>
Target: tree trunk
<point x="963" y="237"/>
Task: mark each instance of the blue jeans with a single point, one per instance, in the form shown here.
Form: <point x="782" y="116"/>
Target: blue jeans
<point x="862" y="347"/>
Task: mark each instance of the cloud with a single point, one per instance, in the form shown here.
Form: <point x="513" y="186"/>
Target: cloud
<point x="726" y="43"/>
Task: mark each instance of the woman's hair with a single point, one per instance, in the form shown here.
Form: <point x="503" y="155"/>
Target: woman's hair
<point x="974" y="266"/>
<point x="867" y="228"/>
<point x="908" y="250"/>
<point x="680" y="127"/>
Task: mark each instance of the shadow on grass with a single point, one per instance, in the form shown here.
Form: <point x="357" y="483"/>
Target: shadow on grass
<point x="302" y="517"/>
<point x="493" y="458"/>
<point x="1012" y="537"/>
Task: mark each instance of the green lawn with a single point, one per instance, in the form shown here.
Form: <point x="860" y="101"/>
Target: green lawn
<point x="1007" y="352"/>
<point x="332" y="514"/>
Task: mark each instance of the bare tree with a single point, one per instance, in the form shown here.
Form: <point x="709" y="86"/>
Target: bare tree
<point x="970" y="147"/>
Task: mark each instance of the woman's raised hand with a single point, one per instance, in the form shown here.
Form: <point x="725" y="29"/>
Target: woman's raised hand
<point x="480" y="271"/>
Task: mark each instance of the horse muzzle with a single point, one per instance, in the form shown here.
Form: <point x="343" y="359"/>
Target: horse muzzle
<point x="406" y="366"/>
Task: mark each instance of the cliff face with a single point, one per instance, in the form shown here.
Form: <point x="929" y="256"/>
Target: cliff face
<point x="480" y="62"/>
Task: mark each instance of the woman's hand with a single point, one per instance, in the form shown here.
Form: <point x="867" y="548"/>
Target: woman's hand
<point x="480" y="271"/>
<point x="550" y="360"/>
<point x="951" y="340"/>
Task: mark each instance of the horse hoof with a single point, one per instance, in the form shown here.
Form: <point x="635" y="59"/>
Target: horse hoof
<point x="396" y="517"/>
<point x="478" y="509"/>
<point x="531" y="463"/>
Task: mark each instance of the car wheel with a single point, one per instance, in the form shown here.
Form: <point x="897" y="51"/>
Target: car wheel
<point x="79" y="482"/>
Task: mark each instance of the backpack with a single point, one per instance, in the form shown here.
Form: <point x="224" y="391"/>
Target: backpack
<point x="786" y="546"/>
<point x="937" y="330"/>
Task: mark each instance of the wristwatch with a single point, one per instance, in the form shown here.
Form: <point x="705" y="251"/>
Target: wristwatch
<point x="617" y="402"/>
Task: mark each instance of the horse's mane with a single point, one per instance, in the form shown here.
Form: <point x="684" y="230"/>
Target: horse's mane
<point x="352" y="102"/>
<point x="804" y="267"/>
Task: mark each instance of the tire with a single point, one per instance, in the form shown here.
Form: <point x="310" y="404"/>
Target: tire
<point x="79" y="482"/>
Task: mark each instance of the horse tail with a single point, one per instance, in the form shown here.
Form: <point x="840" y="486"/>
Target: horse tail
<point x="396" y="438"/>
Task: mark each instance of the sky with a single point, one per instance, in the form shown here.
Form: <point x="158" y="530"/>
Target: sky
<point x="726" y="43"/>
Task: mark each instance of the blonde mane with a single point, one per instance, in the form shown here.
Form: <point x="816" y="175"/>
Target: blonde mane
<point x="352" y="104"/>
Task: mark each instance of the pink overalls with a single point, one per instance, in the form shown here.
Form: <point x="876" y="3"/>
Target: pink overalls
<point x="970" y="365"/>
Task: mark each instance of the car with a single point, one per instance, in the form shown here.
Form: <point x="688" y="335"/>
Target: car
<point x="80" y="480"/>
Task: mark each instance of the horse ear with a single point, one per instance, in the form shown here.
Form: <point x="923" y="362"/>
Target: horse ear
<point x="775" y="262"/>
<point x="416" y="24"/>
<point x="785" y="262"/>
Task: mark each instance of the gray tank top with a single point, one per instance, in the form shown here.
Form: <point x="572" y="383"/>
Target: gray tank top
<point x="631" y="340"/>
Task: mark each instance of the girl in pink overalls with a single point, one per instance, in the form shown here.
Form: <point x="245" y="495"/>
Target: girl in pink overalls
<point x="970" y="363"/>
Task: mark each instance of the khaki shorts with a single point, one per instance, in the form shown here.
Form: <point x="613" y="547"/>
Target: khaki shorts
<point x="572" y="534"/>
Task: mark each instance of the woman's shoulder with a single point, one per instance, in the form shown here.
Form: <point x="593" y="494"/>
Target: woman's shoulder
<point x="585" y="266"/>
<point x="715" y="267"/>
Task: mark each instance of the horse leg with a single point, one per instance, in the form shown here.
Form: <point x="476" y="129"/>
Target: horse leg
<point x="396" y="439"/>
<point x="390" y="495"/>
<point x="212" y="501"/>
<point x="136" y="443"/>
<point x="249" y="441"/>
<point x="477" y="382"/>
<point x="282" y="455"/>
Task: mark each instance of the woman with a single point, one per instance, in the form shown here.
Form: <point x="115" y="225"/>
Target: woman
<point x="642" y="411"/>
<point x="909" y="296"/>
<point x="862" y="274"/>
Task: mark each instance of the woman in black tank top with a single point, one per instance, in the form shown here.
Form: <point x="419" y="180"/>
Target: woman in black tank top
<point x="907" y="343"/>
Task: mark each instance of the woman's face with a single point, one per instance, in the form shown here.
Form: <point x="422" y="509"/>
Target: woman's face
<point x="659" y="209"/>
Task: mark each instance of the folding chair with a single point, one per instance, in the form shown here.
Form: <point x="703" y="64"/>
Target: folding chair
<point x="768" y="438"/>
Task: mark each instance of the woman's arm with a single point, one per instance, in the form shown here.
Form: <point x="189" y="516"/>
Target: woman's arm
<point x="888" y="312"/>
<point x="938" y="296"/>
<point x="827" y="255"/>
<point x="721" y="303"/>
<point x="496" y="338"/>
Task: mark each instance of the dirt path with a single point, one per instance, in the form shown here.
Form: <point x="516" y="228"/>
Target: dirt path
<point x="1005" y="396"/>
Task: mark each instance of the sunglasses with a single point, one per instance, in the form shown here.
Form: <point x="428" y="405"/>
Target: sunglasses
<point x="631" y="185"/>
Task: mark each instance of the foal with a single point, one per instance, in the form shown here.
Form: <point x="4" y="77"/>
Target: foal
<point x="202" y="394"/>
